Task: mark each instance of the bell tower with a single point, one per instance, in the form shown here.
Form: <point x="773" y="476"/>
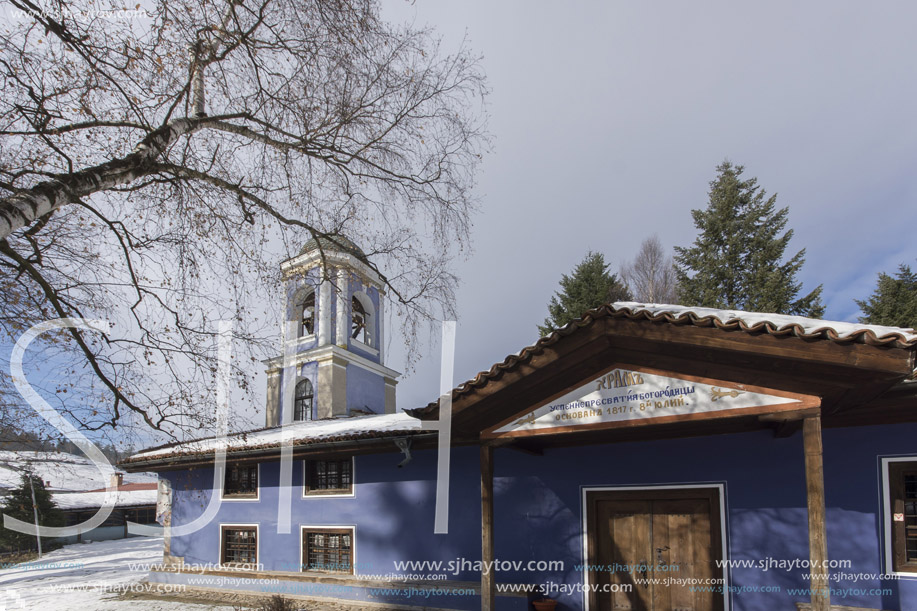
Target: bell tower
<point x="333" y="338"/>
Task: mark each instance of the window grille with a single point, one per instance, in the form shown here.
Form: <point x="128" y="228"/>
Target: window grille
<point x="241" y="480"/>
<point x="328" y="550"/>
<point x="329" y="476"/>
<point x="240" y="546"/>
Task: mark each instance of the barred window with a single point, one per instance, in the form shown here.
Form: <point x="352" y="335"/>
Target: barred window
<point x="902" y="479"/>
<point x="329" y="476"/>
<point x="328" y="550"/>
<point x="241" y="481"/>
<point x="240" y="545"/>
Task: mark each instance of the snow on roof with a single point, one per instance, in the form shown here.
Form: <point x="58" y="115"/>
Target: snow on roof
<point x="750" y="322"/>
<point x="299" y="433"/>
<point x="364" y="427"/>
<point x="65" y="472"/>
<point x="89" y="500"/>
<point x="807" y="326"/>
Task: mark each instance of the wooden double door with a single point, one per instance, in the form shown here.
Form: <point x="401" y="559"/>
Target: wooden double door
<point x="654" y="550"/>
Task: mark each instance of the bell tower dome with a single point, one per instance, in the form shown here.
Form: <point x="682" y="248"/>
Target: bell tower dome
<point x="333" y="337"/>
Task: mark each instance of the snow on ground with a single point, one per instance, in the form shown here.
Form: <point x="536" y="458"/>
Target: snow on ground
<point x="88" y="577"/>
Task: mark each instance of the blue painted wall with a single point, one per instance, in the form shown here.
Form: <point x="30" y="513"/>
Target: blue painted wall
<point x="365" y="390"/>
<point x="765" y="498"/>
<point x="855" y="516"/>
<point x="392" y="512"/>
<point x="538" y="509"/>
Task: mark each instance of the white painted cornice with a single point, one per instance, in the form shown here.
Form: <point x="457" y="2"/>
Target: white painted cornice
<point x="332" y="353"/>
<point x="332" y="258"/>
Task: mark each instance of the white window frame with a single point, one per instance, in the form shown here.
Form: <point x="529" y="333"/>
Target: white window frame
<point x="353" y="547"/>
<point x="299" y="380"/>
<point x="258" y="562"/>
<point x="888" y="547"/>
<point x="234" y="499"/>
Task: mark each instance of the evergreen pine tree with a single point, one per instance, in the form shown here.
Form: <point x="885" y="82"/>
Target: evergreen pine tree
<point x="736" y="261"/>
<point x="894" y="302"/>
<point x="590" y="286"/>
<point x="18" y="504"/>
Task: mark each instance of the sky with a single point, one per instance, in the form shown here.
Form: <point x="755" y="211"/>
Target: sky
<point x="609" y="119"/>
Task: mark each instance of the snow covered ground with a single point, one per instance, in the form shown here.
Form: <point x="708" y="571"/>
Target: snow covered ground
<point x="88" y="577"/>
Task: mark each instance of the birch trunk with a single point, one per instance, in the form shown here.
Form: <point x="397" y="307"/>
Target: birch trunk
<point x="22" y="209"/>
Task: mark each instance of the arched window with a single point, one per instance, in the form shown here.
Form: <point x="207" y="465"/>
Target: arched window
<point x="360" y="318"/>
<point x="308" y="315"/>
<point x="302" y="402"/>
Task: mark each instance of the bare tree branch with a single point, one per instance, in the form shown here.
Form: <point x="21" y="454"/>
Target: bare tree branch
<point x="19" y="210"/>
<point x="651" y="276"/>
<point x="155" y="171"/>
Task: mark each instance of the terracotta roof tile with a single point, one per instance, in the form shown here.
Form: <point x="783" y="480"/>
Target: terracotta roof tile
<point x="727" y="320"/>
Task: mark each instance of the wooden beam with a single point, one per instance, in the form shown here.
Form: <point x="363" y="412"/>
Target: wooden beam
<point x="671" y="430"/>
<point x="747" y="367"/>
<point x="488" y="581"/>
<point x="786" y="424"/>
<point x="801" y="414"/>
<point x="811" y="366"/>
<point x="563" y="360"/>
<point x="815" y="496"/>
<point x="860" y="356"/>
<point x="539" y="379"/>
<point x="861" y="395"/>
<point x="782" y="430"/>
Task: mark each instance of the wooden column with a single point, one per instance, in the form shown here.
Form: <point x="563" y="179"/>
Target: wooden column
<point x="488" y="587"/>
<point x="815" y="493"/>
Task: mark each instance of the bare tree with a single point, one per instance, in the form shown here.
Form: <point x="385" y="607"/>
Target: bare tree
<point x="156" y="165"/>
<point x="651" y="276"/>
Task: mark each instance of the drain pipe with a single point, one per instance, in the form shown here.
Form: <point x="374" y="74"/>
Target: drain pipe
<point x="404" y="444"/>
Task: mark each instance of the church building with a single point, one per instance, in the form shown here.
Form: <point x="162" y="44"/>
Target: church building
<point x="644" y="457"/>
